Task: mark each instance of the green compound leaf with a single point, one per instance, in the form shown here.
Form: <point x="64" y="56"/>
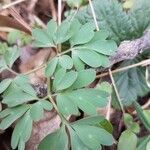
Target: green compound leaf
<point x="66" y="106"/>
<point x="55" y="141"/>
<point x="86" y="106"/>
<point x="37" y="109"/>
<point x="66" y="61"/>
<point x="78" y="64"/>
<point x="93" y="136"/>
<point x="90" y="57"/>
<point x="83" y="35"/>
<point x="85" y="77"/>
<point x="100" y="35"/>
<point x="17" y="97"/>
<point x="60" y="73"/>
<point x="19" y="92"/>
<point x="3" y="48"/>
<point x="88" y="99"/>
<point x="46" y="105"/>
<point x="107" y="47"/>
<point x="66" y="80"/>
<point x="22" y="132"/>
<point x="21" y="145"/>
<point x="92" y="120"/>
<point x="135" y="127"/>
<point x="4" y="85"/>
<point x="11" y="55"/>
<point x="98" y="121"/>
<point x="5" y="112"/>
<point x="129" y="139"/>
<point x="76" y="143"/>
<point x="63" y="32"/>
<point x="51" y="67"/>
<point x="10" y="115"/>
<point x="128" y="119"/>
<point x="92" y="95"/>
<point x="132" y="126"/>
<point x="148" y="146"/>
<point x="3" y="64"/>
<point x="13" y="36"/>
<point x="44" y="37"/>
<point x="85" y="99"/>
<point x="75" y="26"/>
<point x="36" y="112"/>
<point x="100" y="44"/>
<point x="104" y="86"/>
<point x="96" y="51"/>
<point x="51" y="28"/>
<point x="23" y="83"/>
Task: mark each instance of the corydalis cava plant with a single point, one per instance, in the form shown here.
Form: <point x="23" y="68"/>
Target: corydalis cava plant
<point x="69" y="74"/>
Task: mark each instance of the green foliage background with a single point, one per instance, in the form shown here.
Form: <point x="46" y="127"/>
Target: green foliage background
<point x="70" y="72"/>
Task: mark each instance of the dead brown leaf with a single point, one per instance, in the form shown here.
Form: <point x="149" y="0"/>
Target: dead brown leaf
<point x="6" y="21"/>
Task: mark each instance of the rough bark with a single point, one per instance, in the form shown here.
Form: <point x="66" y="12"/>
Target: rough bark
<point x="130" y="49"/>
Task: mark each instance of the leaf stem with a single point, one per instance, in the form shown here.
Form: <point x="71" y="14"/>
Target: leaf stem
<point x="34" y="70"/>
<point x="94" y="15"/>
<point x="64" y="120"/>
<point x="59" y="11"/>
<point x="12" y="71"/>
<point x="59" y="21"/>
<point x="6" y="6"/>
<point x="108" y="108"/>
<point x="67" y="51"/>
<point x="142" y="63"/>
<point x="116" y="91"/>
<point x="48" y="87"/>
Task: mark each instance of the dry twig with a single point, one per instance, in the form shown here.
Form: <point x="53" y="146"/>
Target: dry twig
<point x="130" y="49"/>
<point x="53" y="9"/>
<point x="142" y="63"/>
<point x="11" y="4"/>
<point x="108" y="109"/>
<point x="17" y="16"/>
